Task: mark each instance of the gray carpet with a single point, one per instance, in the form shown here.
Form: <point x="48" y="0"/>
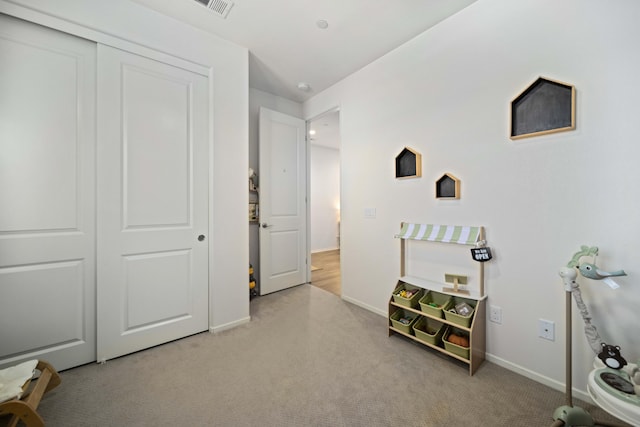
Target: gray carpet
<point x="307" y="358"/>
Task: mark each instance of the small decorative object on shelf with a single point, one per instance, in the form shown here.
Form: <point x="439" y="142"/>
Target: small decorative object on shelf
<point x="405" y="320"/>
<point x="253" y="180"/>
<point x="546" y="106"/>
<point x="253" y="212"/>
<point x="463" y="309"/>
<point x="407" y="293"/>
<point x="456" y="280"/>
<point x="457" y="342"/>
<point x="408" y="164"/>
<point x="448" y="187"/>
<point x="458" y="339"/>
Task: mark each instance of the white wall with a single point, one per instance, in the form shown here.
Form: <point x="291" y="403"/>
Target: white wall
<point x="324" y="175"/>
<point x="447" y="94"/>
<point x="257" y="99"/>
<point x="122" y="22"/>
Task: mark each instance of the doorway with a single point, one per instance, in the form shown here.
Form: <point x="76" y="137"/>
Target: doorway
<point x="324" y="191"/>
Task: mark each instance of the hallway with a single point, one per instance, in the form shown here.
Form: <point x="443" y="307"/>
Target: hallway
<point x="325" y="271"/>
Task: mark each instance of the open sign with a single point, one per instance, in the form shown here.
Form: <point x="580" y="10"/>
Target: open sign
<point x="481" y="254"/>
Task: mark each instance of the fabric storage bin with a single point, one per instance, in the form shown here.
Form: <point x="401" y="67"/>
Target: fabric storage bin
<point x="442" y="302"/>
<point x="428" y="330"/>
<point x="403" y="320"/>
<point x="412" y="301"/>
<point x="456" y="349"/>
<point x="457" y="318"/>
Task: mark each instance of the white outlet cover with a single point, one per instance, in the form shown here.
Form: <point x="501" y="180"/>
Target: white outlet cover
<point x="495" y="314"/>
<point x="546" y="329"/>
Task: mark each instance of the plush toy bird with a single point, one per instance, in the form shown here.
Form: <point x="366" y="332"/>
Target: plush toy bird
<point x="592" y="272"/>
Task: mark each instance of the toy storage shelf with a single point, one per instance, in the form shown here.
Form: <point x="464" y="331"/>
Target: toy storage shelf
<point x="476" y="330"/>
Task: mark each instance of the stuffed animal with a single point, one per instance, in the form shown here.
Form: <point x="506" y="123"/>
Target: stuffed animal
<point x="611" y="356"/>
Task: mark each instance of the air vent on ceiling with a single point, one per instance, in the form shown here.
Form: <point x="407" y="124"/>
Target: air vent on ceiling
<point x="219" y="7"/>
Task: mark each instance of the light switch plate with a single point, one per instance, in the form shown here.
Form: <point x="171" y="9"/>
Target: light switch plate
<point x="369" y="212"/>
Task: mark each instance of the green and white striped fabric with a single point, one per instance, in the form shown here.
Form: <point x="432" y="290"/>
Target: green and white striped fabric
<point x="460" y="234"/>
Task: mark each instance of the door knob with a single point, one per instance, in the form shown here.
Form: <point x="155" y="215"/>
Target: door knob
<point x="201" y="238"/>
<point x="265" y="225"/>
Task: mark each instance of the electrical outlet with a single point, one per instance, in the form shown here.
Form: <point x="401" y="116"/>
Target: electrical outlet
<point x="546" y="329"/>
<point x="495" y="314"/>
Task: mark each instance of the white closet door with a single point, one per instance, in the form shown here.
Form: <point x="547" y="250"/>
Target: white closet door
<point x="152" y="203"/>
<point x="47" y="195"/>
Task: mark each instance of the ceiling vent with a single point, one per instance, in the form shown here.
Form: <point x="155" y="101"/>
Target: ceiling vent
<point x="219" y="7"/>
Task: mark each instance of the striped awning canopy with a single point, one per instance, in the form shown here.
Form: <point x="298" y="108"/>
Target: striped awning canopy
<point x="460" y="234"/>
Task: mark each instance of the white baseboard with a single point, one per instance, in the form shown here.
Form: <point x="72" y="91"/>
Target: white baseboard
<point x="317" y="251"/>
<point x="365" y="306"/>
<point x="549" y="382"/>
<point x="230" y="325"/>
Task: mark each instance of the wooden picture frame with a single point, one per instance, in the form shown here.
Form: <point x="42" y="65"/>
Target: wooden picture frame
<point x="546" y="106"/>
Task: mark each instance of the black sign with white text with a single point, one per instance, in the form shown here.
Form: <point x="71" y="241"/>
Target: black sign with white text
<point x="481" y="254"/>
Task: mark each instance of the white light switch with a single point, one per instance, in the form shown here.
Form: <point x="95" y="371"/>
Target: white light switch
<point x="369" y="212"/>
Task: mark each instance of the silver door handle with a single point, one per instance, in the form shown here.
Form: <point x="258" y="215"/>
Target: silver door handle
<point x="265" y="225"/>
<point x="201" y="238"/>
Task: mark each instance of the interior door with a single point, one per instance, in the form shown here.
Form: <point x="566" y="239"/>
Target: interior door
<point x="152" y="203"/>
<point x="47" y="195"/>
<point x="283" y="189"/>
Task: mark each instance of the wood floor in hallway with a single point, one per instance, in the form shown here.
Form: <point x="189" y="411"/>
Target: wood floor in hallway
<point x="325" y="272"/>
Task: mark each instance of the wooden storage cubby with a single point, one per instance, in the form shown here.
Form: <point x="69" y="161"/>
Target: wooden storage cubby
<point x="408" y="164"/>
<point x="477" y="329"/>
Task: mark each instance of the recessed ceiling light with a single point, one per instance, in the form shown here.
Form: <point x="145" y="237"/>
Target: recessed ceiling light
<point x="322" y="24"/>
<point x="304" y="87"/>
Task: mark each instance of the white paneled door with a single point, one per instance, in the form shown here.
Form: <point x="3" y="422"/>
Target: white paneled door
<point x="152" y="203"/>
<point x="283" y="189"/>
<point x="47" y="196"/>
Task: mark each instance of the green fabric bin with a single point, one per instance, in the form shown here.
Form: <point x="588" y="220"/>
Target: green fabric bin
<point x="442" y="301"/>
<point x="455" y="348"/>
<point x="456" y="318"/>
<point x="411" y="302"/>
<point x="429" y="330"/>
<point x="399" y="314"/>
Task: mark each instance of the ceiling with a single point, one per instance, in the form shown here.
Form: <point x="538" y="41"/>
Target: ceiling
<point x="287" y="47"/>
